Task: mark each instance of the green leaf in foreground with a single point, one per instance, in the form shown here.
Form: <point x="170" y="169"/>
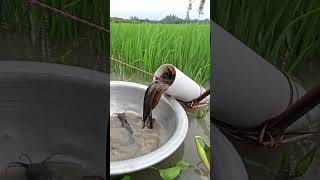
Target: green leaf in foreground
<point x="203" y="112"/>
<point x="183" y="164"/>
<point x="126" y="178"/>
<point x="304" y="163"/>
<point x="173" y="172"/>
<point x="169" y="173"/>
<point x="72" y="4"/>
<point x="204" y="152"/>
<point x="285" y="164"/>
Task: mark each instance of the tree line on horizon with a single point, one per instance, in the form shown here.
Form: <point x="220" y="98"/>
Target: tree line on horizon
<point x="169" y="19"/>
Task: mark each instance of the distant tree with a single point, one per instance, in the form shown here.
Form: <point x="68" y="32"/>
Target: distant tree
<point x="172" y="19"/>
<point x="133" y="18"/>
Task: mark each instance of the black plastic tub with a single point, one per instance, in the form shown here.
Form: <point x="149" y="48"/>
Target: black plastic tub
<point x="50" y="108"/>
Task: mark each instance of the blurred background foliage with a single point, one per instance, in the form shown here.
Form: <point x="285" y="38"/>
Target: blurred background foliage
<point x="56" y="37"/>
<point x="286" y="33"/>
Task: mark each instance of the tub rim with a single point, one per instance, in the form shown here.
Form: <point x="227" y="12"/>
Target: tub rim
<point x="158" y="155"/>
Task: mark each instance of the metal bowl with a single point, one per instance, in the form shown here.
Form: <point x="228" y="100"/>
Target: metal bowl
<point x="226" y="161"/>
<point x="50" y="108"/>
<point x="126" y="96"/>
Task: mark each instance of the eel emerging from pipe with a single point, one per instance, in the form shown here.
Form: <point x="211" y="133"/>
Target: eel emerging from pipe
<point x="153" y="94"/>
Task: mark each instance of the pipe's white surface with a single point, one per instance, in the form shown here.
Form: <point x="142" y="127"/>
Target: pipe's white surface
<point x="183" y="88"/>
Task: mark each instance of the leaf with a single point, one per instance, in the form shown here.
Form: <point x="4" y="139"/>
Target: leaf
<point x="283" y="34"/>
<point x="285" y="165"/>
<point x="203" y="112"/>
<point x="304" y="163"/>
<point x="204" y="152"/>
<point x="299" y="59"/>
<point x="126" y="178"/>
<point x="183" y="164"/>
<point x="72" y="4"/>
<point x="172" y="172"/>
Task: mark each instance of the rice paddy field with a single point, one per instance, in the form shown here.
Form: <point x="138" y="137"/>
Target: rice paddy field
<point x="286" y="33"/>
<point x="56" y="39"/>
<point x="147" y="46"/>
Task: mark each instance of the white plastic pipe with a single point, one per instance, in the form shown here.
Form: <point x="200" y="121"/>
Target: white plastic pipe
<point x="183" y="88"/>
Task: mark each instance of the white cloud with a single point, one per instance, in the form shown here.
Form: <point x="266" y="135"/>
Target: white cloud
<point x="156" y="9"/>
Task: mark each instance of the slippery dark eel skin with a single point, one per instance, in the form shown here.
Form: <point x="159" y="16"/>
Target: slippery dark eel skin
<point x="151" y="99"/>
<point x="153" y="94"/>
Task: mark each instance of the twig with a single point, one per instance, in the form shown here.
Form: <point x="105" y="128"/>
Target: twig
<point x="66" y="15"/>
<point x="307" y="102"/>
<point x="201" y="97"/>
<point x="133" y="67"/>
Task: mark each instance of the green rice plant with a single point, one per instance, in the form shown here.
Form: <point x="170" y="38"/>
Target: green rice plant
<point x="301" y="166"/>
<point x="47" y="28"/>
<point x="26" y="17"/>
<point x="286" y="32"/>
<point x="147" y="46"/>
<point x="203" y="112"/>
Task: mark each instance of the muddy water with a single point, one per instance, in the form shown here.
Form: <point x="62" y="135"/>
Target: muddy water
<point x="129" y="139"/>
<point x="20" y="46"/>
<point x="187" y="151"/>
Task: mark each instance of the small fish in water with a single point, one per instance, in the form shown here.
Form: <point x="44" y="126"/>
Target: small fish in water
<point x="122" y="117"/>
<point x="153" y="94"/>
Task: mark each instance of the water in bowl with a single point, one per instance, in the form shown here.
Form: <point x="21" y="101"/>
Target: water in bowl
<point x="128" y="138"/>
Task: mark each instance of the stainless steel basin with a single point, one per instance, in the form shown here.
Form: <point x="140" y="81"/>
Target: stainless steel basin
<point x="126" y="96"/>
<point x="50" y="108"/>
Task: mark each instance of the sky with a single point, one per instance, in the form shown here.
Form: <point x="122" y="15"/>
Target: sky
<point x="157" y="9"/>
